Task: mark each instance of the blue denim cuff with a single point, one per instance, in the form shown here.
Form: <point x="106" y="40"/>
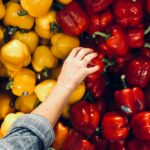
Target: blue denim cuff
<point x="38" y="125"/>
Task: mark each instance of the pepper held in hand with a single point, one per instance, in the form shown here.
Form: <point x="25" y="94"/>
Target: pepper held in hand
<point x="85" y="117"/>
<point x="72" y="19"/>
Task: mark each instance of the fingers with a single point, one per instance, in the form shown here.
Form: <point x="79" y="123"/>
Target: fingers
<point x="83" y="52"/>
<point x="74" y="51"/>
<point x="92" y="70"/>
<point x="87" y="59"/>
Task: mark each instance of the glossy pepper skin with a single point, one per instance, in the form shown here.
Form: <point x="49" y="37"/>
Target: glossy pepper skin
<point x="62" y="44"/>
<point x="44" y="25"/>
<point x="32" y="7"/>
<point x="145" y="53"/>
<point x="136" y="144"/>
<point x="14" y="17"/>
<point x="61" y="133"/>
<point x="97" y="86"/>
<point x="140" y="124"/>
<point x="21" y="80"/>
<point x="138" y="72"/>
<point x="72" y="19"/>
<point x="130" y="100"/>
<point x="114" y="126"/>
<point x="85" y="117"/>
<point x="117" y="145"/>
<point x="96" y="6"/>
<point x="75" y="141"/>
<point x="100" y="22"/>
<point x="43" y="58"/>
<point x="15" y="61"/>
<point x="136" y="38"/>
<point x="128" y="13"/>
<point x="31" y="39"/>
<point x="115" y="43"/>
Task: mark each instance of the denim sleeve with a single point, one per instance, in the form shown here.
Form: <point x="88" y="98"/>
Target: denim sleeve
<point x="29" y="132"/>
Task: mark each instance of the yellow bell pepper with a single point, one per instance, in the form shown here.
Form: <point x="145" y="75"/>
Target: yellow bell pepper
<point x="1" y="34"/>
<point x="8" y="121"/>
<point x="31" y="39"/>
<point x="4" y="106"/>
<point x="61" y="133"/>
<point x="54" y="73"/>
<point x="15" y="55"/>
<point x="77" y="94"/>
<point x="66" y="112"/>
<point x="3" y="71"/>
<point x="36" y="8"/>
<point x="16" y="16"/>
<point x="43" y="89"/>
<point x="23" y="82"/>
<point x="2" y="9"/>
<point x="43" y="58"/>
<point x="62" y="44"/>
<point x="26" y="104"/>
<point x="64" y="2"/>
<point x="43" y="25"/>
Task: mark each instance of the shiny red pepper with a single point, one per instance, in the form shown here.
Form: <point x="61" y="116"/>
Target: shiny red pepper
<point x="97" y="86"/>
<point x="72" y="19"/>
<point x="138" y="145"/>
<point x="75" y="141"/>
<point x="140" y="124"/>
<point x="114" y="126"/>
<point x="115" y="43"/>
<point x="96" y="6"/>
<point x="99" y="143"/>
<point x="85" y="117"/>
<point x="100" y="22"/>
<point x="138" y="72"/>
<point x="130" y="100"/>
<point x="117" y="145"/>
<point x="128" y="12"/>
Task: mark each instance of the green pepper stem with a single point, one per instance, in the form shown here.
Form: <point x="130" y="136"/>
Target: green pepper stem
<point x="147" y="45"/>
<point x="88" y="96"/>
<point x="123" y="77"/>
<point x="8" y="85"/>
<point x="102" y="34"/>
<point x="54" y="27"/>
<point x="22" y="13"/>
<point x="147" y="31"/>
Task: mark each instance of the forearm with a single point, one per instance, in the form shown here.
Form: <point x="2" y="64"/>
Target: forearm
<point x="54" y="104"/>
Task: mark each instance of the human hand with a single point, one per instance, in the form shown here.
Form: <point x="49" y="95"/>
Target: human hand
<point x="75" y="68"/>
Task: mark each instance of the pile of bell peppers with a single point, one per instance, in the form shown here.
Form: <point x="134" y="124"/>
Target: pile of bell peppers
<point x="110" y="109"/>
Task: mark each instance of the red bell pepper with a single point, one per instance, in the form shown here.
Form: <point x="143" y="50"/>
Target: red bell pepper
<point x="145" y="52"/>
<point x="140" y="124"/>
<point x="130" y="100"/>
<point x="72" y="19"/>
<point x="115" y="43"/>
<point x="114" y="126"/>
<point x="138" y="145"/>
<point x="101" y="105"/>
<point x="128" y="12"/>
<point x="96" y="6"/>
<point x="96" y="87"/>
<point x="98" y="61"/>
<point x="138" y="72"/>
<point x="100" y="22"/>
<point x="136" y="37"/>
<point x="117" y="145"/>
<point x="85" y="117"/>
<point x="75" y="141"/>
<point x="99" y="143"/>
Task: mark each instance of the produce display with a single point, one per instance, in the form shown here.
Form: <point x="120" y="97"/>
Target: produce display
<point x="110" y="110"/>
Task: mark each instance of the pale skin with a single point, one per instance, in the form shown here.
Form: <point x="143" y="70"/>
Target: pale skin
<point x="74" y="71"/>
